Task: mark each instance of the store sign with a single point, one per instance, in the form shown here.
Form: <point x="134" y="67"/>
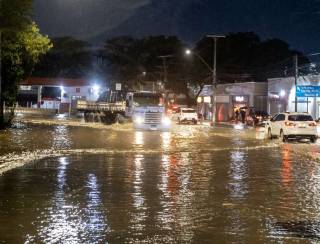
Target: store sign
<point x="308" y="91"/>
<point x="118" y="86"/>
<point x="25" y="88"/>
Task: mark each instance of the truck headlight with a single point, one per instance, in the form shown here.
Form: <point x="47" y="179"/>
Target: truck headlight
<point x="139" y="120"/>
<point x="166" y="121"/>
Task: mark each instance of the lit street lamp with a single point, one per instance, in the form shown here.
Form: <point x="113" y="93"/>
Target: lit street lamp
<point x="213" y="70"/>
<point x="189" y="52"/>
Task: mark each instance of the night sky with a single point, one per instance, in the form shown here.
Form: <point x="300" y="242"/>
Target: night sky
<point x="295" y="21"/>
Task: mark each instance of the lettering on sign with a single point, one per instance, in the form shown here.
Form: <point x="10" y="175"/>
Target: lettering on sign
<point x="308" y="91"/>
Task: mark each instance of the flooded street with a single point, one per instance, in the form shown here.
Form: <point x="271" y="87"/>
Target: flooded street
<point x="194" y="184"/>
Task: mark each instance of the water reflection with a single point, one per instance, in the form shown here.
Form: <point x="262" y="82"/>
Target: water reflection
<point x="138" y="138"/>
<point x="61" y="137"/>
<point x="286" y="172"/>
<point x="166" y="140"/>
<point x="238" y="174"/>
<point x="139" y="214"/>
<point x="63" y="221"/>
<point x="96" y="227"/>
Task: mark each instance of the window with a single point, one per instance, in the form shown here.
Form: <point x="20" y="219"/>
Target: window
<point x="78" y="90"/>
<point x="274" y="118"/>
<point x="188" y="111"/>
<point x="300" y="117"/>
<point x="281" y="117"/>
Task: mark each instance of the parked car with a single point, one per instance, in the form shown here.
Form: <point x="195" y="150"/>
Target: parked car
<point x="261" y="116"/>
<point x="256" y="117"/>
<point x="187" y="115"/>
<point x="292" y="126"/>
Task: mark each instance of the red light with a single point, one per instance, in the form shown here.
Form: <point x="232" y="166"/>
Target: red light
<point x="290" y="124"/>
<point x="313" y="124"/>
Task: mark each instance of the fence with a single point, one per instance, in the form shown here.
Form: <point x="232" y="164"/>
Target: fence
<point x="26" y="110"/>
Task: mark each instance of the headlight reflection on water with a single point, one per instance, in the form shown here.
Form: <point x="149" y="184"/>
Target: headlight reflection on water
<point x="166" y="121"/>
<point x="166" y="139"/>
<point x="139" y="140"/>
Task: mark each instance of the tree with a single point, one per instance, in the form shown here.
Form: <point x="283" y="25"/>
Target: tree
<point x="128" y="58"/>
<point x="69" y="58"/>
<point x="244" y="57"/>
<point x="21" y="46"/>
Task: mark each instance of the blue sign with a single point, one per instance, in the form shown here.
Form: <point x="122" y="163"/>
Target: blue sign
<point x="308" y="91"/>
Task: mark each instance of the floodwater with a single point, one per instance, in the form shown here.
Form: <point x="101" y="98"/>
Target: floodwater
<point x="195" y="184"/>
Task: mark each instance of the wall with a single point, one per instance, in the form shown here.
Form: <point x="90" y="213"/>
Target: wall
<point x="252" y="94"/>
<point x="281" y="95"/>
<point x="90" y="93"/>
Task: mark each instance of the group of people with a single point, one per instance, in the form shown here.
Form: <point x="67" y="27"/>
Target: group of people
<point x="244" y="115"/>
<point x="240" y="114"/>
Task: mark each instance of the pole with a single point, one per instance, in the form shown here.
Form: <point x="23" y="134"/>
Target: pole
<point x="214" y="75"/>
<point x="296" y="71"/>
<point x="1" y="103"/>
<point x="165" y="70"/>
<point x="214" y="72"/>
<point x="164" y="62"/>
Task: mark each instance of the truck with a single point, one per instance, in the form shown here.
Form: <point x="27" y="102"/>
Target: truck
<point x="145" y="109"/>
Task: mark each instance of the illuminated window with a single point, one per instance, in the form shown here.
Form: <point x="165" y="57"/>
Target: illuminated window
<point x="239" y="99"/>
<point x="207" y="99"/>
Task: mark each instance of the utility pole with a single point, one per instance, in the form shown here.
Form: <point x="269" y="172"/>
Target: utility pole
<point x="214" y="70"/>
<point x="164" y="62"/>
<point x="214" y="64"/>
<point x="1" y="105"/>
<point x="296" y="75"/>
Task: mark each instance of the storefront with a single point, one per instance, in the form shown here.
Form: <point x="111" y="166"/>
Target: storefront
<point x="204" y="103"/>
<point x="230" y="98"/>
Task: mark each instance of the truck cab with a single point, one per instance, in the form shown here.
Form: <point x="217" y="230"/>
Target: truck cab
<point x="147" y="111"/>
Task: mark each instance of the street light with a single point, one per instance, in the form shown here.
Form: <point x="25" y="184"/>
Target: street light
<point x="189" y="52"/>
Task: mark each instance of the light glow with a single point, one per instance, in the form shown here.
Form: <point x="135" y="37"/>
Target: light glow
<point x="139" y="120"/>
<point x="166" y="121"/>
<point x="96" y="88"/>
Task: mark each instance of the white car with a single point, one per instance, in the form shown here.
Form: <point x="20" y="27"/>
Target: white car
<point x="187" y="115"/>
<point x="292" y="126"/>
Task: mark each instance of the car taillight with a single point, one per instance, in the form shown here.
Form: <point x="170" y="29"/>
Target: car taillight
<point x="290" y="124"/>
<point x="313" y="124"/>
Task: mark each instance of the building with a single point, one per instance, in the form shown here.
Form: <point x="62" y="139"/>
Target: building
<point x="282" y="93"/>
<point x="230" y="96"/>
<point x="57" y="92"/>
<point x="204" y="105"/>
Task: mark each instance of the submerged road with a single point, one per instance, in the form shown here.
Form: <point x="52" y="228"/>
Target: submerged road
<point x="195" y="184"/>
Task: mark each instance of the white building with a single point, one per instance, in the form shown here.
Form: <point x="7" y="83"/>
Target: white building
<point x="282" y="92"/>
<point x="68" y="91"/>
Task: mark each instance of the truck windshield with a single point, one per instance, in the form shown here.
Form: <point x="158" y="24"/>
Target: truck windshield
<point x="146" y="100"/>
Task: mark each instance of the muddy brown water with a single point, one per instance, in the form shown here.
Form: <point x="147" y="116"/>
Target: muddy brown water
<point x="195" y="184"/>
